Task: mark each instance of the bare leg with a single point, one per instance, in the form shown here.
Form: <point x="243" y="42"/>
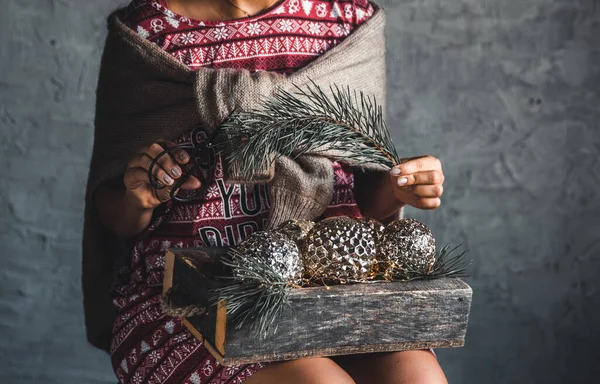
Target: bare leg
<point x="408" y="367"/>
<point x="320" y="370"/>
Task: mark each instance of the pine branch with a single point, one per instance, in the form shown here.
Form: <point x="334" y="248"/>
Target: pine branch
<point x="308" y="121"/>
<point x="256" y="295"/>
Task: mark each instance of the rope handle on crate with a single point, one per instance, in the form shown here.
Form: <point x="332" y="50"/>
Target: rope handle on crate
<point x="175" y="311"/>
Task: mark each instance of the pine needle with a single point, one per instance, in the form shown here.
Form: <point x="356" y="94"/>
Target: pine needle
<point x="308" y="121"/>
<point x="256" y="296"/>
<point x="448" y="263"/>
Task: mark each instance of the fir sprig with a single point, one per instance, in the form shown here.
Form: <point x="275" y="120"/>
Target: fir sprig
<point x="256" y="296"/>
<point x="349" y="123"/>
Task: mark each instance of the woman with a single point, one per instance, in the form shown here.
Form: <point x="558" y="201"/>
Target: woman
<point x="281" y="37"/>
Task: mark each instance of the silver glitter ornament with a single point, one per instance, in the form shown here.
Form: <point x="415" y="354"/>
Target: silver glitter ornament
<point x="376" y="227"/>
<point x="275" y="249"/>
<point x="296" y="229"/>
<point x="406" y="245"/>
<point x="339" y="249"/>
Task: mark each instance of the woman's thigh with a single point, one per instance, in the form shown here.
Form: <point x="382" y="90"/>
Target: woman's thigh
<point x="320" y="370"/>
<point x="408" y="367"/>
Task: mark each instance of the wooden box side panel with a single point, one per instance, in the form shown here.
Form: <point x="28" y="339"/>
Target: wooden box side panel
<point x="187" y="270"/>
<point x="359" y="319"/>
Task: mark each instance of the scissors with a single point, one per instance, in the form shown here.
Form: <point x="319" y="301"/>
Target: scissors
<point x="206" y="160"/>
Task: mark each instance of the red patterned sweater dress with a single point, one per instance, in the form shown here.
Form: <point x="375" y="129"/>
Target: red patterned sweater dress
<point x="147" y="345"/>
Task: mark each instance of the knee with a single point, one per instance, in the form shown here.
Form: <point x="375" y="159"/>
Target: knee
<point x="429" y="377"/>
<point x="322" y="370"/>
<point x="319" y="370"/>
<point x="416" y="367"/>
<point x="409" y="367"/>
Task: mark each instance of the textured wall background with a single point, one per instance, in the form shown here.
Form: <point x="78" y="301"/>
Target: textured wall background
<point x="506" y="93"/>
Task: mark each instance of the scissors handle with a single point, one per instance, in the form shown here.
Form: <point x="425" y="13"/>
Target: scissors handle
<point x="207" y="161"/>
<point x="157" y="184"/>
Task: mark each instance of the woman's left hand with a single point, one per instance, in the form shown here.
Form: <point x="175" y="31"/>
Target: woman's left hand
<point x="418" y="182"/>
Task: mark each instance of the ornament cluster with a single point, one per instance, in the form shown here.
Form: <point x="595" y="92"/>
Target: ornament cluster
<point x="341" y="250"/>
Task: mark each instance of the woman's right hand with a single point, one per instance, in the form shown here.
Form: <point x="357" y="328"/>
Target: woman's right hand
<point x="139" y="190"/>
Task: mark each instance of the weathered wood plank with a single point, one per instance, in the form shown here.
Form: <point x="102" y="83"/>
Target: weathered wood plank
<point x="337" y="320"/>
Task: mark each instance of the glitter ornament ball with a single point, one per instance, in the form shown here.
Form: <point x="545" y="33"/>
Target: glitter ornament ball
<point x="276" y="250"/>
<point x="339" y="249"/>
<point x="376" y="227"/>
<point x="296" y="229"/>
<point x="407" y="244"/>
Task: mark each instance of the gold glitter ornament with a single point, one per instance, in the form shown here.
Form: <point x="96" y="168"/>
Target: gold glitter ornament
<point x="296" y="229"/>
<point x="406" y="245"/>
<point x="275" y="249"/>
<point x="339" y="249"/>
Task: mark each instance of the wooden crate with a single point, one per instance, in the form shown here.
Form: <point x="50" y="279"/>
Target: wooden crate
<point x="325" y="321"/>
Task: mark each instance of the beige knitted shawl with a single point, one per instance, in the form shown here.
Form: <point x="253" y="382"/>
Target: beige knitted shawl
<point x="144" y="95"/>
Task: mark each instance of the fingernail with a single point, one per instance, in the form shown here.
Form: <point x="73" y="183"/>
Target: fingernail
<point x="183" y="156"/>
<point x="176" y="171"/>
<point x="395" y="171"/>
<point x="168" y="179"/>
<point x="402" y="181"/>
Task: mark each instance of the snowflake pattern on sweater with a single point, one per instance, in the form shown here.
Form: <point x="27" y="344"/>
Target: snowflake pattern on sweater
<point x="285" y="37"/>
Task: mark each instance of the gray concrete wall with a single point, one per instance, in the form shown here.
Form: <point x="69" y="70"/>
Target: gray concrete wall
<point x="505" y="92"/>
